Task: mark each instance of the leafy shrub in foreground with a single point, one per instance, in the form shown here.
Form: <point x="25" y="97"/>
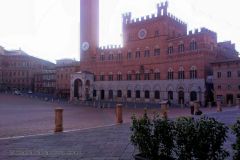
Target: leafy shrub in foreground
<point x="236" y="146"/>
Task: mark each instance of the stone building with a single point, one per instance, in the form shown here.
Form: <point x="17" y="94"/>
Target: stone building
<point x="226" y="78"/>
<point x="159" y="59"/>
<point x="18" y="69"/>
<point x="45" y="82"/>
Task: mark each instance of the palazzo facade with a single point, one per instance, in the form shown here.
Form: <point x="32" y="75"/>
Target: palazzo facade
<point x="159" y="59"/>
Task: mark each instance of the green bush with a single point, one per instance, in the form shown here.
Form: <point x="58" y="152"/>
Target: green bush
<point x="153" y="138"/>
<point x="164" y="136"/>
<point x="236" y="146"/>
<point x="185" y="135"/>
<point x="183" y="139"/>
<point x="200" y="139"/>
<point x="142" y="137"/>
<point x="210" y="138"/>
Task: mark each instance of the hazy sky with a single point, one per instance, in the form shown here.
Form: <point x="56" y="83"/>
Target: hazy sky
<point x="49" y="29"/>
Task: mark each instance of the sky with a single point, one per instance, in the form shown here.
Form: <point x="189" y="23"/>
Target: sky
<point x="49" y="29"/>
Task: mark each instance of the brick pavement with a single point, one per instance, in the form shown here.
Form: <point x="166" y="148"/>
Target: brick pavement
<point x="20" y="116"/>
<point x="110" y="142"/>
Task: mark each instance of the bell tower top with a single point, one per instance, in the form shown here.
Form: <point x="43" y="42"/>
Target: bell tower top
<point x="89" y="29"/>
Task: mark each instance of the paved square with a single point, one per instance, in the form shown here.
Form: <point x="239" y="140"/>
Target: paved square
<point x="104" y="139"/>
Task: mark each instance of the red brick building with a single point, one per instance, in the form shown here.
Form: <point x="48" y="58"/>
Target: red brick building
<point x="159" y="59"/>
<point x="64" y="68"/>
<point x="19" y="68"/>
<point x="226" y="78"/>
<point x="45" y="82"/>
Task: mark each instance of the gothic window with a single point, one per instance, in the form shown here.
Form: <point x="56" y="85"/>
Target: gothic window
<point x="146" y="53"/>
<point x="110" y="77"/>
<point x="110" y="57"/>
<point x="129" y="94"/>
<point x="181" y="73"/>
<point x="119" y="76"/>
<point x="170" y="74"/>
<point x="229" y="74"/>
<point x="102" y="57"/>
<point x="146" y="76"/>
<point x="119" y="93"/>
<point x="119" y="56"/>
<point x="102" y="77"/>
<point x="138" y="76"/>
<point x="147" y="94"/>
<point x="157" y="75"/>
<point x="219" y="74"/>
<point x="138" y="94"/>
<point x="193" y="45"/>
<point x="156" y="51"/>
<point x="170" y="49"/>
<point x="157" y="95"/>
<point x="138" y="54"/>
<point x="193" y="73"/>
<point x="129" y="55"/>
<point x="181" y="47"/>
<point x="129" y="76"/>
<point x="94" y="93"/>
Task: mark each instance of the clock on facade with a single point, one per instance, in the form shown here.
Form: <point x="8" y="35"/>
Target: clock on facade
<point x="142" y="33"/>
<point x="85" y="46"/>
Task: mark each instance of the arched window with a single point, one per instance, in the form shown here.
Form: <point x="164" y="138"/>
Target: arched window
<point x="157" y="95"/>
<point x="102" y="77"/>
<point x="119" y="93"/>
<point x="156" y="74"/>
<point x="138" y="54"/>
<point x="181" y="47"/>
<point x="170" y="95"/>
<point x="157" y="51"/>
<point x="110" y="94"/>
<point x="129" y="76"/>
<point x="193" y="72"/>
<point x="94" y="93"/>
<point x="170" y="48"/>
<point x="129" y="54"/>
<point x="119" y="76"/>
<point x="193" y="45"/>
<point x="102" y="57"/>
<point x="147" y="75"/>
<point x="170" y="74"/>
<point x="138" y="94"/>
<point x="110" y="76"/>
<point x="147" y="52"/>
<point x="193" y="96"/>
<point x="181" y="74"/>
<point x="147" y="94"/>
<point x="119" y="56"/>
<point x="129" y="94"/>
<point x="138" y="76"/>
<point x="110" y="57"/>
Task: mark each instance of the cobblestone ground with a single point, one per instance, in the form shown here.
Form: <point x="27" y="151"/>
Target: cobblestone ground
<point x="21" y="116"/>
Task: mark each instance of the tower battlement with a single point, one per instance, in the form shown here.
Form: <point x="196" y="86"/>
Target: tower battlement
<point x="202" y="30"/>
<point x="110" y="47"/>
<point x="162" y="10"/>
<point x="127" y="17"/>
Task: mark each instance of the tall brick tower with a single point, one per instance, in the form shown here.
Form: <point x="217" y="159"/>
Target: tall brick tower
<point x="89" y="30"/>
